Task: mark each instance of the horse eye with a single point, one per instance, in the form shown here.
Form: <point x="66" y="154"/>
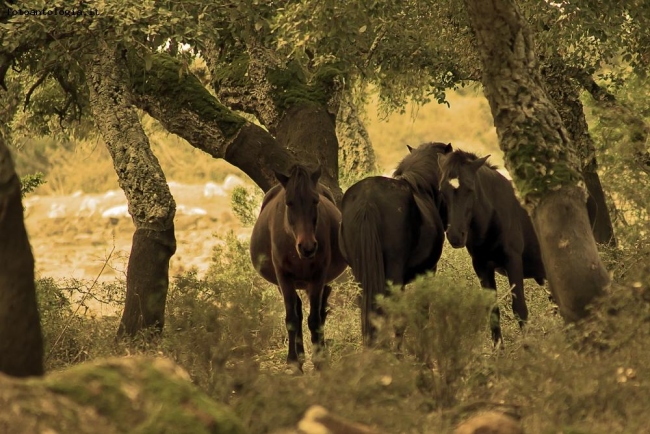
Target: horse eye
<point x="289" y="203"/>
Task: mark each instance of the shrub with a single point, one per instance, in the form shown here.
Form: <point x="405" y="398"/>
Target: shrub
<point x="445" y="321"/>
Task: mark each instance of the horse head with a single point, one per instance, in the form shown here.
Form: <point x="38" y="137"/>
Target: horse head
<point x="459" y="190"/>
<point x="301" y="207"/>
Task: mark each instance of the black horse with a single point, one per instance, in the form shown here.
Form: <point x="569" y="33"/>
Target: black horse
<point x="484" y="215"/>
<point x="391" y="230"/>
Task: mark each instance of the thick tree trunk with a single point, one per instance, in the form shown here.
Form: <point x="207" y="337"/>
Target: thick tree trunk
<point x="140" y="176"/>
<point x="566" y="97"/>
<point x="308" y="132"/>
<point x="356" y="155"/>
<point x="539" y="154"/>
<point x="21" y="341"/>
<point x="300" y="114"/>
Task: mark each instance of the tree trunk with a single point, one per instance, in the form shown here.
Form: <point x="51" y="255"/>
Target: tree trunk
<point x="186" y="108"/>
<point x="566" y="98"/>
<point x="539" y="154"/>
<point x="297" y="111"/>
<point x="356" y="155"/>
<point x="151" y="204"/>
<point x="308" y="132"/>
<point x="21" y="341"/>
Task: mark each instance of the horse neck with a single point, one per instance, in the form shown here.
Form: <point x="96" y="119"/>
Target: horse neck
<point x="482" y="204"/>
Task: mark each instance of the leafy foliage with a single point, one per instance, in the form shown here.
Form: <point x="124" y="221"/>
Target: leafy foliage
<point x="29" y="183"/>
<point x="246" y="204"/>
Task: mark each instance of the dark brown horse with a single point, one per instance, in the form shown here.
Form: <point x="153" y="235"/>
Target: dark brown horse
<point x="294" y="245"/>
<point x="391" y="229"/>
<point x="485" y="216"/>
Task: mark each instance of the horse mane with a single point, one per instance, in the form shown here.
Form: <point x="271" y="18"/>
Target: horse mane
<point x="459" y="158"/>
<point x="420" y="170"/>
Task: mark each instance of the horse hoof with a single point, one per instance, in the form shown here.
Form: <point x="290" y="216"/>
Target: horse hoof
<point x="293" y="369"/>
<point x="320" y="361"/>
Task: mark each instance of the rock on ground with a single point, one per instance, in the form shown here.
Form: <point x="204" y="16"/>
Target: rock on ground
<point x="118" y="395"/>
<point x="492" y="422"/>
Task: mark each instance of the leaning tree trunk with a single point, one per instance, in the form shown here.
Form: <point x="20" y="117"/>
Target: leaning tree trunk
<point x="21" y="341"/>
<point x="565" y="95"/>
<point x="151" y="204"/>
<point x="539" y="154"/>
<point x="186" y="108"/>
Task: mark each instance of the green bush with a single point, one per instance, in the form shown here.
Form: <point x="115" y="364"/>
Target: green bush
<point x="246" y="204"/>
<point x="446" y="321"/>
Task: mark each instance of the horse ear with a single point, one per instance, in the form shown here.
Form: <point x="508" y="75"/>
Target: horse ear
<point x="409" y="148"/>
<point x="476" y="164"/>
<point x="282" y="178"/>
<point x="315" y="176"/>
<point x="448" y="149"/>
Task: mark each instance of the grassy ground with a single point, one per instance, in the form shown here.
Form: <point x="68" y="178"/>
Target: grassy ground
<point x="226" y="327"/>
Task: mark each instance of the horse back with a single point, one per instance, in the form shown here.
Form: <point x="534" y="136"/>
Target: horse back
<point x="409" y="245"/>
<point x="515" y="226"/>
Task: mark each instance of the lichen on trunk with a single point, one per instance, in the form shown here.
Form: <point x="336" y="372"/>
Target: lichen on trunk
<point x="356" y="155"/>
<point x="203" y="121"/>
<point x="539" y="154"/>
<point x="565" y="94"/>
<point x="151" y="204"/>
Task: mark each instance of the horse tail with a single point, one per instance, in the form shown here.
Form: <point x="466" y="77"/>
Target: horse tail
<point x="367" y="263"/>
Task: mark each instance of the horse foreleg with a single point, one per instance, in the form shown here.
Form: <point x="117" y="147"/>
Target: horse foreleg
<point x="486" y="276"/>
<point x="318" y="295"/>
<point x="293" y="322"/>
<point x="515" y="272"/>
<point x="400" y="327"/>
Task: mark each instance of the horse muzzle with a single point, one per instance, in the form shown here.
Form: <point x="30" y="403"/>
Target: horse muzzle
<point x="457" y="241"/>
<point x="307" y="251"/>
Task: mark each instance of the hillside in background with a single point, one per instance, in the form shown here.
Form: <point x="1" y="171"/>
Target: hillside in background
<point x="466" y="123"/>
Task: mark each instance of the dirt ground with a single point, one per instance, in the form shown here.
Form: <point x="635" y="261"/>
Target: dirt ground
<point x="76" y="236"/>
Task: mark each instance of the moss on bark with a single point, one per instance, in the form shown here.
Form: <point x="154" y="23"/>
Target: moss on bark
<point x="184" y="89"/>
<point x="119" y="395"/>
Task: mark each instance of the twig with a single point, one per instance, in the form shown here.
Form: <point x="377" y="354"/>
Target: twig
<point x="65" y="328"/>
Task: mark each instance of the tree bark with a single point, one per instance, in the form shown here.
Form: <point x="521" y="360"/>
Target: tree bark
<point x="308" y="131"/>
<point x="21" y="341"/>
<point x="566" y="97"/>
<point x="258" y="82"/>
<point x="539" y="154"/>
<point x="184" y="107"/>
<point x="356" y="155"/>
<point x="151" y="204"/>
